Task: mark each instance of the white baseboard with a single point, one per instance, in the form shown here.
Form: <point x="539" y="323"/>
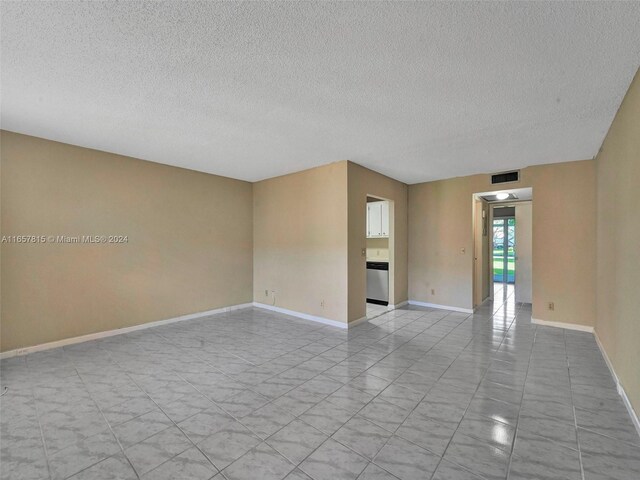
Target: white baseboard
<point x="567" y="326"/>
<point x="398" y="305"/>
<point x="621" y="391"/>
<point x="118" y="331"/>
<point x="304" y="316"/>
<point x="440" y="307"/>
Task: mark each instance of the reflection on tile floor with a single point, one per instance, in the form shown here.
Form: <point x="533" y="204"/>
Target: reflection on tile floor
<point x="413" y="394"/>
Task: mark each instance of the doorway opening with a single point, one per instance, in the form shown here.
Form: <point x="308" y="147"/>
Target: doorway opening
<point x="503" y="263"/>
<point x="379" y="256"/>
<point x="503" y="246"/>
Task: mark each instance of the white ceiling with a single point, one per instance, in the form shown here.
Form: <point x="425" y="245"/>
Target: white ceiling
<point x="418" y="91"/>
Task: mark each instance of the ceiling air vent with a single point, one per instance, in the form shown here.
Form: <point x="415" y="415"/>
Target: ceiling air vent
<point x="505" y="177"/>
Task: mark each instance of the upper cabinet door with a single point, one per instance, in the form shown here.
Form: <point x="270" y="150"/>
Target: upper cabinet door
<point x="384" y="223"/>
<point x="377" y="219"/>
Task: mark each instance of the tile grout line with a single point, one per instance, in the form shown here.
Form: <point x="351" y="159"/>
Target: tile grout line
<point x="515" y="430"/>
<point x="126" y="372"/>
<point x="352" y="415"/>
<point x="374" y="397"/>
<point x="493" y="313"/>
<point x="443" y="373"/>
<point x="108" y="425"/>
<point x="44" y="443"/>
<point x="475" y="392"/>
<point x="573" y="406"/>
<point x="174" y="424"/>
<point x="268" y="403"/>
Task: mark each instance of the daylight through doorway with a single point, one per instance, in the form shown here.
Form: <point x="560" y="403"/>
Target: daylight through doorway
<point x="504" y="258"/>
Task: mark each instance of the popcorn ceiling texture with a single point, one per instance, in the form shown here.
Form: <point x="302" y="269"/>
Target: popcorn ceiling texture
<point x="417" y="91"/>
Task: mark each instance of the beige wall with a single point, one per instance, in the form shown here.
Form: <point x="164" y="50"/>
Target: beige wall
<point x="564" y="229"/>
<point x="377" y="249"/>
<point x="309" y="233"/>
<point x="363" y="182"/>
<point x="189" y="248"/>
<point x="300" y="241"/>
<point x="618" y="167"/>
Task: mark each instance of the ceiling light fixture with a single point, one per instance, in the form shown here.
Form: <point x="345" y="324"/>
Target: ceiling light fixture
<point x="502" y="196"/>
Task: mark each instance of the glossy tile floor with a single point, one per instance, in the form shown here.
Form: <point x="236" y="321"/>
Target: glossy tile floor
<point x="413" y="394"/>
<point x="374" y="310"/>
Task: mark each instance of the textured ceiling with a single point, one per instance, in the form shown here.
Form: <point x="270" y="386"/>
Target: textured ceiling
<point x="418" y="91"/>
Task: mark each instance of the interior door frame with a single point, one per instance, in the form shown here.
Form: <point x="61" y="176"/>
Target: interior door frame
<point x="492" y="205"/>
<point x="476" y="286"/>
<point x="480" y="257"/>
<point x="392" y="242"/>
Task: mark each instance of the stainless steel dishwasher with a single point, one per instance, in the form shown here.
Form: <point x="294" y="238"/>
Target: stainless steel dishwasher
<point x="378" y="283"/>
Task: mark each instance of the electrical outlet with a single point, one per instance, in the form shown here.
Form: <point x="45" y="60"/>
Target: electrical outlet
<point x="463" y="250"/>
<point x="433" y="291"/>
<point x="266" y="293"/>
<point x="552" y="306"/>
<point x="322" y="303"/>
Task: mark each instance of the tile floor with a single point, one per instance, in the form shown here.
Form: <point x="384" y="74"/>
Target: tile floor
<point x="413" y="394"/>
<point x="374" y="310"/>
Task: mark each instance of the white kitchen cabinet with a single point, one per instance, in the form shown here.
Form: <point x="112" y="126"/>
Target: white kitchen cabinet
<point x="374" y="219"/>
<point x="385" y="219"/>
<point x="378" y="219"/>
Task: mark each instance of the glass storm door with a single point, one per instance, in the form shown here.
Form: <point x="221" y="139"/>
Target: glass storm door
<point x="504" y="255"/>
